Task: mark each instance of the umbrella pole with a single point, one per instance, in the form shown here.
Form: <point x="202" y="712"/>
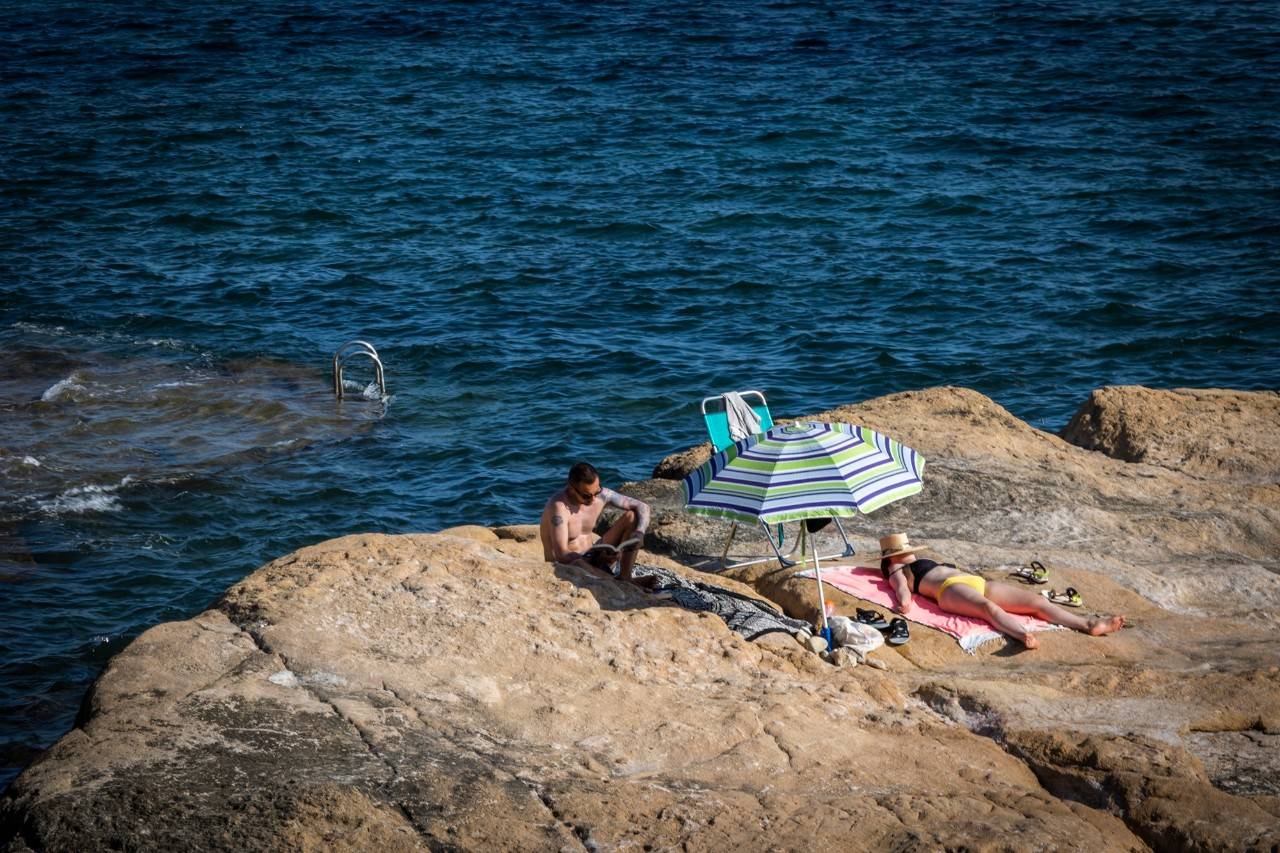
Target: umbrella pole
<point x="822" y="599"/>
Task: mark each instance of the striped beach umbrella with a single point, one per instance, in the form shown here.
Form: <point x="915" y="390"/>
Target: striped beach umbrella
<point x="805" y="470"/>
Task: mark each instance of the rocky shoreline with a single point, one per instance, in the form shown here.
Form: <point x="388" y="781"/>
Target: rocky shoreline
<point x="452" y="691"/>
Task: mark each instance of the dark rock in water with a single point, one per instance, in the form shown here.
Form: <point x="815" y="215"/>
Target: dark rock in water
<point x="677" y="466"/>
<point x="453" y="691"/>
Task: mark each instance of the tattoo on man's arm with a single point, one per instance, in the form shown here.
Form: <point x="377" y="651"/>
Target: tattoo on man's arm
<point x="557" y="520"/>
<point x="639" y="507"/>
<point x="618" y="499"/>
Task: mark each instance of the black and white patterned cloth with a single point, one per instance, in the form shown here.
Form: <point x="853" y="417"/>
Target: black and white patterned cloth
<point x="747" y="616"/>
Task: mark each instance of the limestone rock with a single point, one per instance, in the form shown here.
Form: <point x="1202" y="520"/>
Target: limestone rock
<point x="452" y="691"/>
<point x="1212" y="433"/>
<point x="843" y="658"/>
<point x="442" y="694"/>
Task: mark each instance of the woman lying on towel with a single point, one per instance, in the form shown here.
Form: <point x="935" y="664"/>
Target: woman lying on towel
<point x="969" y="595"/>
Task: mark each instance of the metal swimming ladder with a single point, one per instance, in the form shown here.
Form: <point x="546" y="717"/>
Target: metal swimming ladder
<point x="349" y="350"/>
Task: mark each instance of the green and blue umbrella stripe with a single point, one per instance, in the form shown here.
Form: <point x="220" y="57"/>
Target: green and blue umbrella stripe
<point x="807" y="470"/>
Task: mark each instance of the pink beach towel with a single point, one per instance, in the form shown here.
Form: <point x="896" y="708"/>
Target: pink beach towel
<point x="970" y="633"/>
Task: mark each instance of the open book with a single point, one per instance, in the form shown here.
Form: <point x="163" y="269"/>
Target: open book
<point x="602" y="554"/>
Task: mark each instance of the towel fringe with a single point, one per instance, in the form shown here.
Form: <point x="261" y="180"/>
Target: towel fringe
<point x="973" y="642"/>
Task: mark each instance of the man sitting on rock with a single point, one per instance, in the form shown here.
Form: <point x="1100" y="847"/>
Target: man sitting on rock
<point x="570" y="517"/>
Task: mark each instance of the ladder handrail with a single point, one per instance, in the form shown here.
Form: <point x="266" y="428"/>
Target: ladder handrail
<point x="356" y="343"/>
<point x="348" y="351"/>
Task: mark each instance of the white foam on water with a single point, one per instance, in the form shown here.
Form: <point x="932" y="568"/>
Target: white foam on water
<point x="81" y="499"/>
<point x="31" y="460"/>
<point x="62" y="389"/>
<point x="369" y="392"/>
<point x="107" y="337"/>
<point x="79" y="388"/>
<point x="38" y="328"/>
<point x="155" y="541"/>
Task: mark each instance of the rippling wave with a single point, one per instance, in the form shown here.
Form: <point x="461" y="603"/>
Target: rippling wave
<point x="563" y="225"/>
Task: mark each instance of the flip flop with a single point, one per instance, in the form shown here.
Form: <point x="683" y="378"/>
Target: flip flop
<point x="872" y="618"/>
<point x="898" y="633"/>
<point x="1070" y="598"/>
<point x="1035" y="572"/>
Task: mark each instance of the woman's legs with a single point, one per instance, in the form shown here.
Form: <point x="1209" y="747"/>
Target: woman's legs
<point x="1029" y="603"/>
<point x="967" y="601"/>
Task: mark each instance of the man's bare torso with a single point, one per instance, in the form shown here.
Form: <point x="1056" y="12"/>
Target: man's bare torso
<point x="579" y="518"/>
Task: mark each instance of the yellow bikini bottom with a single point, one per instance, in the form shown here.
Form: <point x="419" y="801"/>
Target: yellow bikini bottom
<point x="980" y="584"/>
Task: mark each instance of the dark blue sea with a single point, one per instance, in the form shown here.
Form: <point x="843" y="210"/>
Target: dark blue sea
<point x="561" y="225"/>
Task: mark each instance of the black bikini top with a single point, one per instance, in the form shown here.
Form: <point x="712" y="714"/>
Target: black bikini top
<point x="918" y="569"/>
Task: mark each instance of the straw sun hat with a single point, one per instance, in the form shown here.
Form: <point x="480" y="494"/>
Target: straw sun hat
<point x="895" y="544"/>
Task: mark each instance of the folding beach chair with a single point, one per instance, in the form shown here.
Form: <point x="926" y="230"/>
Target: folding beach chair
<point x="717" y="421"/>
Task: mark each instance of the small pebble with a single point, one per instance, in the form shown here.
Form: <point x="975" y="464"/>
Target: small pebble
<point x="844" y="658"/>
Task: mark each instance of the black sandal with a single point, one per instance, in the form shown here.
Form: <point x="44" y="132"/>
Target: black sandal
<point x="898" y="633"/>
<point x="872" y="618"/>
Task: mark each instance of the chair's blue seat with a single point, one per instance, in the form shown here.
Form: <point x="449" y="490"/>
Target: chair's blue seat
<point x="718" y="421"/>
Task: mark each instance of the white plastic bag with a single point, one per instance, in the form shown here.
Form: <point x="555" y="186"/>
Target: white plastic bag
<point x="862" y="639"/>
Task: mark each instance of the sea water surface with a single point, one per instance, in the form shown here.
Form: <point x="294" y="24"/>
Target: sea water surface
<point x="562" y="225"/>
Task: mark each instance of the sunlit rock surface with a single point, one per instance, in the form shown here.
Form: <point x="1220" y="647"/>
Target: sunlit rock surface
<point x="452" y="691"/>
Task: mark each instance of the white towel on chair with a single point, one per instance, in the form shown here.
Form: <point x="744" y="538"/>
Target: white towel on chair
<point x="743" y="420"/>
